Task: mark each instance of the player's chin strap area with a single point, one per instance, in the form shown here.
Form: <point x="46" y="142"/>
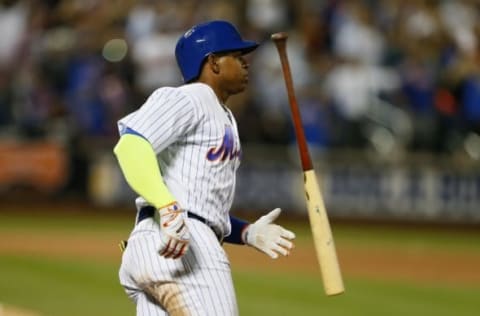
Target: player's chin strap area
<point x="149" y="211"/>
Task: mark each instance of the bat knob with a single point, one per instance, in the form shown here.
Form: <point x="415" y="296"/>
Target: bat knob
<point x="280" y="36"/>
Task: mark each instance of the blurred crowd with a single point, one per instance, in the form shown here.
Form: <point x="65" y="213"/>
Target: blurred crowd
<point x="389" y="75"/>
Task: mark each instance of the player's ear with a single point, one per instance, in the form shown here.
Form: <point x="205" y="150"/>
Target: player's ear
<point x="212" y="63"/>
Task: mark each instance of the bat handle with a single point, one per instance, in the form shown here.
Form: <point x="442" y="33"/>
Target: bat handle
<point x="280" y="40"/>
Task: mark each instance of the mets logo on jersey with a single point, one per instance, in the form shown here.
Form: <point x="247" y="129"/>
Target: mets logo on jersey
<point x="226" y="150"/>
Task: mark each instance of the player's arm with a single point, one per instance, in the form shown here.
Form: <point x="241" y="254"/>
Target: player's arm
<point x="238" y="228"/>
<point x="263" y="235"/>
<point x="139" y="166"/>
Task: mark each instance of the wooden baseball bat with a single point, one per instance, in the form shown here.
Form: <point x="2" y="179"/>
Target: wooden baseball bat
<point x="321" y="231"/>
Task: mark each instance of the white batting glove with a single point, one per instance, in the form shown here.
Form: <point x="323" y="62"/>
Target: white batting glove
<point x="269" y="238"/>
<point x="175" y="235"/>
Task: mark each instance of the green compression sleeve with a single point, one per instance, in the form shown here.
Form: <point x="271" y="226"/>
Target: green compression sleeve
<point x="139" y="165"/>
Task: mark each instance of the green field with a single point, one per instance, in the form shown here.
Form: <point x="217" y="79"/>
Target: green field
<point x="52" y="284"/>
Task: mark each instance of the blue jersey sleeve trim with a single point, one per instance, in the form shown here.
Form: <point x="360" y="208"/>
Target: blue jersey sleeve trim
<point x="128" y="130"/>
<point x="235" y="236"/>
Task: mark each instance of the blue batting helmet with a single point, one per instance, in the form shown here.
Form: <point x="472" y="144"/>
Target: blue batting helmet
<point x="206" y="38"/>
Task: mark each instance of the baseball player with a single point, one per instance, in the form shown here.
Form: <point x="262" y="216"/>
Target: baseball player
<point x="179" y="152"/>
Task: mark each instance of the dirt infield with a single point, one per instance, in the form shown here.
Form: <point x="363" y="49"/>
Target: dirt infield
<point x="379" y="263"/>
<point x="356" y="261"/>
<point x="7" y="310"/>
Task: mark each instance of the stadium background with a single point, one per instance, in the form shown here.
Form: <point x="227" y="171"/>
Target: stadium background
<point x="390" y="96"/>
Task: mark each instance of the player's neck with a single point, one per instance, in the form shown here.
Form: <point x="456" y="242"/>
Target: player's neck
<point x="221" y="94"/>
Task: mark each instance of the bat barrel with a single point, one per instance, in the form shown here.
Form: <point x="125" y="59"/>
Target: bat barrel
<point x="323" y="237"/>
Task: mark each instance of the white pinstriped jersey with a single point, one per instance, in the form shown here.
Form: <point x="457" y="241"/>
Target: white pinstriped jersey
<point x="197" y="146"/>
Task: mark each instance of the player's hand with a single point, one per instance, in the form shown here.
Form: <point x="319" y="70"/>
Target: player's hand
<point x="269" y="238"/>
<point x="175" y="235"/>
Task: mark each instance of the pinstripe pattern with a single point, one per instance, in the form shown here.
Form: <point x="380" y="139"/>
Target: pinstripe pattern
<point x="183" y="124"/>
<point x="203" y="275"/>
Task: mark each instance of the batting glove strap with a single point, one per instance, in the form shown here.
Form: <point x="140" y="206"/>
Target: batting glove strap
<point x="269" y="238"/>
<point x="175" y="235"/>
